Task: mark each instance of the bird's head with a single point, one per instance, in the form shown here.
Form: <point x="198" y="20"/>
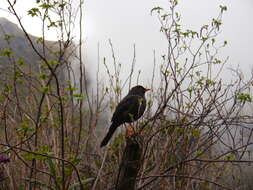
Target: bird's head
<point x="138" y="90"/>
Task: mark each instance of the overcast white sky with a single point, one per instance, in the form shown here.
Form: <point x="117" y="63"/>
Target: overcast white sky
<point x="129" y="22"/>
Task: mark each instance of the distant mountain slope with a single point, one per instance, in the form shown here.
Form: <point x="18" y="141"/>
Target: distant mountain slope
<point x="21" y="47"/>
<point x="19" y="44"/>
<point x="9" y="27"/>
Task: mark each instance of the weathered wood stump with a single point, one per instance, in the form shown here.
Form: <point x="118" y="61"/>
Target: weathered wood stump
<point x="131" y="163"/>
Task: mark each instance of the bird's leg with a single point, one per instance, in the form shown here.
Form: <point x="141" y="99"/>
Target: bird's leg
<point x="133" y="128"/>
<point x="131" y="131"/>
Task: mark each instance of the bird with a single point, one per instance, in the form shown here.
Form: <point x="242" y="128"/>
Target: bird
<point x="129" y="109"/>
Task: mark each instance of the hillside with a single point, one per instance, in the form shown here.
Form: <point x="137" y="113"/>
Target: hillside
<point x="21" y="47"/>
<point x="18" y="43"/>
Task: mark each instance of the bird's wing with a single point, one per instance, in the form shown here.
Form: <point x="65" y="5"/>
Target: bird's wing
<point x="129" y="105"/>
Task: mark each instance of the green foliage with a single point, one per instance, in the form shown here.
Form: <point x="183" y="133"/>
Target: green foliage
<point x="6" y="52"/>
<point x="53" y="62"/>
<point x="244" y="97"/>
<point x="71" y="89"/>
<point x="223" y="8"/>
<point x="21" y="187"/>
<point x="39" y="154"/>
<point x="20" y="61"/>
<point x="43" y="76"/>
<point x="79" y="96"/>
<point x="149" y="103"/>
<point x="38" y="183"/>
<point x="18" y="74"/>
<point x="230" y="157"/>
<point x="52" y="166"/>
<point x="25" y="128"/>
<point x="8" y="37"/>
<point x="196" y="132"/>
<point x="31" y="156"/>
<point x="118" y="90"/>
<point x="157" y="9"/>
<point x="217" y="61"/>
<point x="46" y="5"/>
<point x="45" y="89"/>
<point x="34" y="12"/>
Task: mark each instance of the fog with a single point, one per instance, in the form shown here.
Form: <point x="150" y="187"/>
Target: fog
<point x="129" y="22"/>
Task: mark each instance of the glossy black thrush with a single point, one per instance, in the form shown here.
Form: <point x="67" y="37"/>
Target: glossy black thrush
<point x="128" y="110"/>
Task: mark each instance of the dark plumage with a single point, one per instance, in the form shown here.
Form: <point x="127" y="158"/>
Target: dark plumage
<point x="128" y="110"/>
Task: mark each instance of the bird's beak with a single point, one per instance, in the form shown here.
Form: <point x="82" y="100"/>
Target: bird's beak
<point x="147" y="89"/>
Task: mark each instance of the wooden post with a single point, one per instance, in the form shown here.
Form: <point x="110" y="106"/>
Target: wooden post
<point x="131" y="163"/>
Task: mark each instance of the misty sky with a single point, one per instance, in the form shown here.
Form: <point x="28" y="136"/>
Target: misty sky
<point x="129" y="22"/>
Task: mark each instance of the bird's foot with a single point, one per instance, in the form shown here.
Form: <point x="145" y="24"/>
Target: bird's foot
<point x="129" y="132"/>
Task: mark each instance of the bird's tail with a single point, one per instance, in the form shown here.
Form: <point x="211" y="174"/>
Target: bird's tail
<point x="108" y="136"/>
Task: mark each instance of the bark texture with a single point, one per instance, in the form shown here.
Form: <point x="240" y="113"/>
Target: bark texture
<point x="131" y="163"/>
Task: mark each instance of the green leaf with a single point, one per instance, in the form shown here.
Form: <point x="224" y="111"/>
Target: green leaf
<point x="157" y="9"/>
<point x="7" y="37"/>
<point x="199" y="153"/>
<point x="190" y="90"/>
<point x="53" y="62"/>
<point x="38" y="183"/>
<point x="62" y="5"/>
<point x="210" y="82"/>
<point x="118" y="90"/>
<point x="39" y="39"/>
<point x="230" y="157"/>
<point x="179" y="130"/>
<point x="78" y="96"/>
<point x="217" y="61"/>
<point x="51" y="167"/>
<point x="46" y="6"/>
<point x="75" y="161"/>
<point x="45" y="89"/>
<point x="200" y="82"/>
<point x="42" y="76"/>
<point x="70" y="88"/>
<point x="17" y="74"/>
<point x="34" y="12"/>
<point x="7" y="52"/>
<point x="20" y="61"/>
<point x="196" y="132"/>
<point x="213" y="41"/>
<point x="164" y="16"/>
<point x="149" y="103"/>
<point x="244" y="97"/>
<point x="223" y="8"/>
<point x="52" y="24"/>
<point x="31" y="156"/>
